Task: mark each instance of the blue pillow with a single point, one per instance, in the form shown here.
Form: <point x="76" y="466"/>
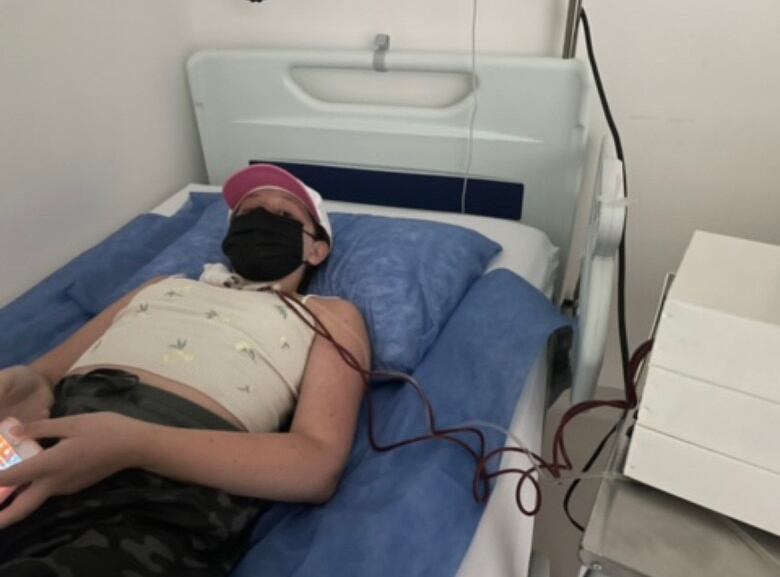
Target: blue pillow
<point x="104" y="270"/>
<point x="185" y="256"/>
<point x="405" y="275"/>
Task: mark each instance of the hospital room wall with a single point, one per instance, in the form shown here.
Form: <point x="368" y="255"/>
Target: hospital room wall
<point x="95" y="126"/>
<point x="694" y="92"/>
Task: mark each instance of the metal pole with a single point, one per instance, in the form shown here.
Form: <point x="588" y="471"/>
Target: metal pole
<point x="572" y="28"/>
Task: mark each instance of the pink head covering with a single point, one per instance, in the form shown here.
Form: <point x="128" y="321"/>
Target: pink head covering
<point x="259" y="176"/>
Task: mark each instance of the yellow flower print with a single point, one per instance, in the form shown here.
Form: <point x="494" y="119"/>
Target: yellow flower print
<point x="177" y="292"/>
<point x="179" y="352"/>
<point x="213" y="315"/>
<point x="246" y="349"/>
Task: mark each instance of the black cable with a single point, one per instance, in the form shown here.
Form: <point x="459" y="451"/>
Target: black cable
<point x="621" y="289"/>
<point x="621" y="280"/>
<point x="588" y="465"/>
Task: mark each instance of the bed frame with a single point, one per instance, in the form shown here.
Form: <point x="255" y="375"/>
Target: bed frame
<point x="514" y="126"/>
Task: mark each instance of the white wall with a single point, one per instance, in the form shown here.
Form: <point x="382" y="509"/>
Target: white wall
<point x="503" y="25"/>
<point x="96" y="125"/>
<point x="694" y="87"/>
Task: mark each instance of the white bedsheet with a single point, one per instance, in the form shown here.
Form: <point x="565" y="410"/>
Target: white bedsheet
<point x="501" y="546"/>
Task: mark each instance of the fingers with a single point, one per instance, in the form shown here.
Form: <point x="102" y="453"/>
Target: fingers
<point x="25" y="472"/>
<point x="25" y="409"/>
<point x="25" y="503"/>
<point x="50" y="428"/>
<point x="27" y="413"/>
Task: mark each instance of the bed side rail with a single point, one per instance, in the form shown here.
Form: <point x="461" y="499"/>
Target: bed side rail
<point x="599" y="269"/>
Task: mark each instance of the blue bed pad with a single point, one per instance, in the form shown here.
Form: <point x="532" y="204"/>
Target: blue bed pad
<point x="408" y="512"/>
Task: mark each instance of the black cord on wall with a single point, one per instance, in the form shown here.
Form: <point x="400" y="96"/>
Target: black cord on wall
<point x="621" y="289"/>
<point x="621" y="278"/>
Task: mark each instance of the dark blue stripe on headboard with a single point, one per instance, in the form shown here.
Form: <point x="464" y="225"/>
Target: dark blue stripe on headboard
<point x="424" y="191"/>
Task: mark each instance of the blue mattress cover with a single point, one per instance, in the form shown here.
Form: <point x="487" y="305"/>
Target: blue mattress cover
<point x="410" y="511"/>
<point x="407" y="512"/>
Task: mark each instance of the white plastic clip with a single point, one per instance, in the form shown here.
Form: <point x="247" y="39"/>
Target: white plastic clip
<point x="381" y="46"/>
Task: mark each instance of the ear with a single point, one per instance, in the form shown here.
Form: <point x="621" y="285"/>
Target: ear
<point x="318" y="253"/>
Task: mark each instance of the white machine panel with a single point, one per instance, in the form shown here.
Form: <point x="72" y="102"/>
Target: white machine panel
<point x="709" y="419"/>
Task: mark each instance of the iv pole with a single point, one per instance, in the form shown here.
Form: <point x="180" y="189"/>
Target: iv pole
<point x="572" y="28"/>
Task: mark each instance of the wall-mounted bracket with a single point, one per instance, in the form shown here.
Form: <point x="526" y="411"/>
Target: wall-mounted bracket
<point x="381" y="46"/>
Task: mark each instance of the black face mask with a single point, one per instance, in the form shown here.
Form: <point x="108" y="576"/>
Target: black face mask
<point x="262" y="246"/>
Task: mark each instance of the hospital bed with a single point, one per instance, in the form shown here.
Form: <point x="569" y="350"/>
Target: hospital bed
<point x="487" y="281"/>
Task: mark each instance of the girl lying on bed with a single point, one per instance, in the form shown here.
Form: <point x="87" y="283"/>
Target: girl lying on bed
<point x="182" y="409"/>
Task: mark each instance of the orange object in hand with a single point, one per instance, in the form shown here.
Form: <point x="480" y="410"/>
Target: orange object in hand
<point x="13" y="450"/>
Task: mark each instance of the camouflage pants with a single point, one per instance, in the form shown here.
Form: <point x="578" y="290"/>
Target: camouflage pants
<point x="133" y="524"/>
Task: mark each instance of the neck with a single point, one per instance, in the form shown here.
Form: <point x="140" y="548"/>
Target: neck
<point x="289" y="284"/>
<point x="292" y="282"/>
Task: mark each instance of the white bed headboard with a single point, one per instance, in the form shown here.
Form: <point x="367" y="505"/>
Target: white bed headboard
<point x="529" y="125"/>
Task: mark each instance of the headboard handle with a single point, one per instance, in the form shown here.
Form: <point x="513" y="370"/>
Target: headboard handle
<point x="381" y="46"/>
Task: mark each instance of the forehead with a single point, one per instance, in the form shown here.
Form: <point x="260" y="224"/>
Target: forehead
<point x="266" y="195"/>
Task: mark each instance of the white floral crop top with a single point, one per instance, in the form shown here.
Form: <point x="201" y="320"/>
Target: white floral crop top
<point x="245" y="349"/>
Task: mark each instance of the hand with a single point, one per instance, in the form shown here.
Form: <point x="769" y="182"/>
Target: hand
<point x="24" y="394"/>
<point x="91" y="447"/>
